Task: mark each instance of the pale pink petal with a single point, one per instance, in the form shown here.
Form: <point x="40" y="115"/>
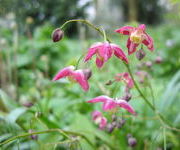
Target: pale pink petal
<point x="81" y="79"/>
<point x="102" y="98"/>
<point x="99" y="62"/>
<point x="103" y="123"/>
<point x="131" y="46"/>
<point x="142" y="27"/>
<point x="119" y="76"/>
<point x="125" y="105"/>
<point x="125" y="30"/>
<point x="130" y="83"/>
<point x="96" y="114"/>
<point x="64" y="73"/>
<point x="105" y="51"/>
<point x="92" y="50"/>
<point x="118" y="52"/>
<point x="129" y="80"/>
<point x="148" y="41"/>
<point x="109" y="104"/>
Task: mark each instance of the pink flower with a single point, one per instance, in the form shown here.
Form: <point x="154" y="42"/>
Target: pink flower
<point x="109" y="103"/>
<point x="142" y="76"/>
<point x="104" y="52"/>
<point x="137" y="35"/>
<point x="126" y="78"/>
<point x="99" y="119"/>
<point x="73" y="75"/>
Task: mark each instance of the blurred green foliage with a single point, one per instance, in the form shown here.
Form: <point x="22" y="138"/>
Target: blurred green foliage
<point x="63" y="105"/>
<point x="41" y="11"/>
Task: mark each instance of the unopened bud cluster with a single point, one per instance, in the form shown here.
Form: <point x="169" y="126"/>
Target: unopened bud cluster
<point x="131" y="140"/>
<point x="116" y="123"/>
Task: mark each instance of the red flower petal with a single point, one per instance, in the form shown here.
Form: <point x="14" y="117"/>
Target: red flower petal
<point x="125" y="30"/>
<point x="125" y="105"/>
<point x="81" y="79"/>
<point x="118" y="52"/>
<point x="64" y="73"/>
<point x="131" y="47"/>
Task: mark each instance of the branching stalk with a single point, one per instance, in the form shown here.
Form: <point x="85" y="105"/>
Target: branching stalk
<point x="63" y="132"/>
<point x="160" y="116"/>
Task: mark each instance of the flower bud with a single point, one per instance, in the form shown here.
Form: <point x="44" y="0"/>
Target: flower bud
<point x="148" y="64"/>
<point x="33" y="136"/>
<point x="28" y="104"/>
<point x="127" y="97"/>
<point x="132" y="142"/>
<point x="158" y="60"/>
<point x="129" y="135"/>
<point x="110" y="127"/>
<point x="87" y="73"/>
<point x="114" y="123"/>
<point x="140" y="54"/>
<point x="57" y="35"/>
<point x="121" y="123"/>
<point x="114" y="117"/>
<point x="110" y="82"/>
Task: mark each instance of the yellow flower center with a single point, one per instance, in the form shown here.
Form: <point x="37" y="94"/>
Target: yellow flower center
<point x="71" y="79"/>
<point x="136" y="37"/>
<point x="114" y="110"/>
<point x="100" y="57"/>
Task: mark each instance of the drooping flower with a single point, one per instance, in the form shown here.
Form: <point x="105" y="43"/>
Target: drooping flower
<point x="99" y="119"/>
<point x="137" y="35"/>
<point x="126" y="78"/>
<point x="74" y="76"/>
<point x="112" y="104"/>
<point x="104" y="52"/>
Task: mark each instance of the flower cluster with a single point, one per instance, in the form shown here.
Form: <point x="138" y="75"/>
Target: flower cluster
<point x="104" y="51"/>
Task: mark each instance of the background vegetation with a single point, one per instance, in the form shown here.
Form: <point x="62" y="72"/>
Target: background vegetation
<point x="30" y="101"/>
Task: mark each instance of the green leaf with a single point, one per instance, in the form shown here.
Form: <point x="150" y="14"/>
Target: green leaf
<point x="15" y="114"/>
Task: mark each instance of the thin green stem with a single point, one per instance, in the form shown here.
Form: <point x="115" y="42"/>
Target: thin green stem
<point x="161" y="118"/>
<point x="152" y="94"/>
<point x="63" y="132"/>
<point x="104" y="33"/>
<point x="138" y="89"/>
<point x="164" y="137"/>
<point x="77" y="64"/>
<point x="62" y="142"/>
<point x="87" y="23"/>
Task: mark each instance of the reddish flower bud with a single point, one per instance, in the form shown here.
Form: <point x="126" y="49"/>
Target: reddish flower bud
<point x="140" y="54"/>
<point x="28" y="104"/>
<point x="33" y="136"/>
<point x="129" y="135"/>
<point x="114" y="117"/>
<point x="132" y="142"/>
<point x="148" y="64"/>
<point x="121" y="123"/>
<point x="110" y="127"/>
<point x="87" y="73"/>
<point x="110" y="82"/>
<point x="127" y="97"/>
<point x="158" y="60"/>
<point x="57" y="35"/>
